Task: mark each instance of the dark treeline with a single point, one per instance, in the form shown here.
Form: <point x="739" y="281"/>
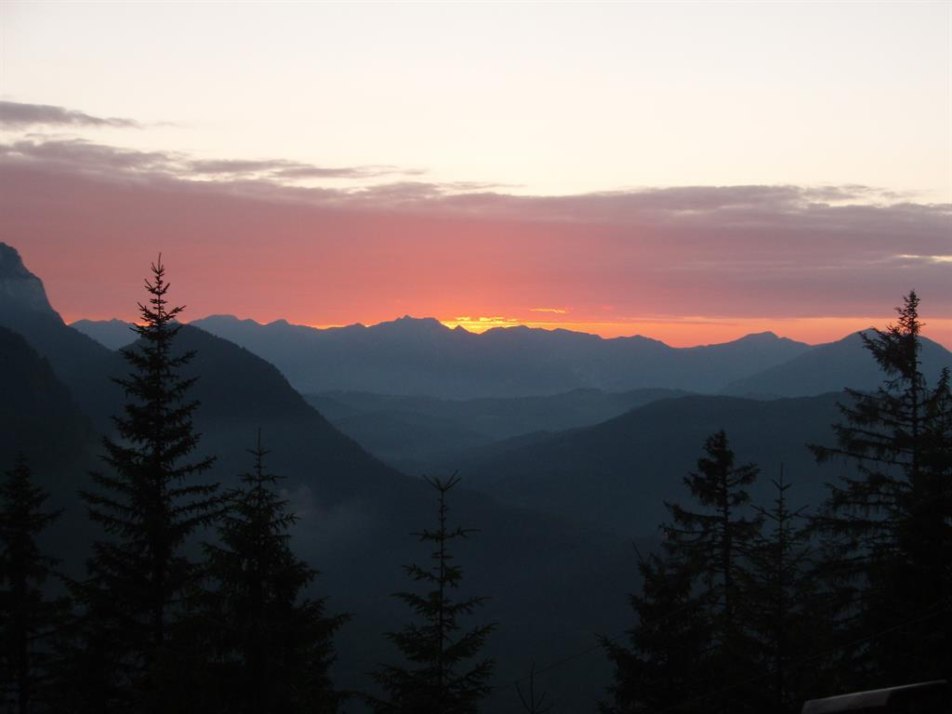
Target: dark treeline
<point x="192" y="599"/>
<point x="158" y="625"/>
<point x="757" y="608"/>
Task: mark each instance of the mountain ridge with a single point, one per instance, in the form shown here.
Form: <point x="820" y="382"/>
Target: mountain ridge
<point x="620" y="472"/>
<point x="845" y="363"/>
<point x="355" y="514"/>
<point x="412" y="356"/>
<point x="421" y="356"/>
<point x="19" y="288"/>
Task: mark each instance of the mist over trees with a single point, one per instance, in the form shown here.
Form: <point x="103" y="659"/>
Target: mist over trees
<point x="267" y="647"/>
<point x="194" y="599"/>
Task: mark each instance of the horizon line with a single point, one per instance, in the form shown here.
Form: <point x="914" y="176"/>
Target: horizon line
<point x="479" y="326"/>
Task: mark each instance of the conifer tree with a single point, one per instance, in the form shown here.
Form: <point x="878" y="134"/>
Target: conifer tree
<point x="28" y="616"/>
<point x="665" y="667"/>
<point x="532" y="703"/>
<point x="713" y="539"/>
<point x="783" y="605"/>
<point x="150" y="501"/>
<point x="439" y="677"/>
<point x="889" y="519"/>
<point x="690" y="648"/>
<point x="270" y="647"/>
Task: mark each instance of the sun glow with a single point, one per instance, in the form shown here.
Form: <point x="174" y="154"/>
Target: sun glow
<point x="693" y="331"/>
<point x="481" y="324"/>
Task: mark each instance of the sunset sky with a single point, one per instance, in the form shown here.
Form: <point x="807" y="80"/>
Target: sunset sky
<point x="688" y="171"/>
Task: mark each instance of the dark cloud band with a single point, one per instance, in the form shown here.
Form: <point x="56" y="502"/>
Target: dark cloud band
<point x="18" y="115"/>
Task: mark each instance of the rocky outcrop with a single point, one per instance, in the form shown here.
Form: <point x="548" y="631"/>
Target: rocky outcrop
<point x="20" y="290"/>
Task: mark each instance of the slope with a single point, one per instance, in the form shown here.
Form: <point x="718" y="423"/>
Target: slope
<point x="553" y="585"/>
<point x="829" y="367"/>
<point x="618" y="474"/>
<point x="424" y="434"/>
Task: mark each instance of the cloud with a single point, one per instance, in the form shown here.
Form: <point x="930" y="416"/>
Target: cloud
<point x="552" y="310"/>
<point x="262" y="247"/>
<point x="925" y="258"/>
<point x="18" y="115"/>
<point x="81" y="155"/>
<point x="282" y="169"/>
<point x="90" y="157"/>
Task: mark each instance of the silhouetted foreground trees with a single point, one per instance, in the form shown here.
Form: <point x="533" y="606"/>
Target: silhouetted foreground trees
<point x="28" y="617"/>
<point x="268" y="648"/>
<point x="784" y="606"/>
<point x="154" y="626"/>
<point x="163" y="623"/>
<point x="758" y="613"/>
<point x="692" y="635"/>
<point x="150" y="501"/>
<point x="439" y="677"/>
<point x="889" y="526"/>
<point x="744" y="608"/>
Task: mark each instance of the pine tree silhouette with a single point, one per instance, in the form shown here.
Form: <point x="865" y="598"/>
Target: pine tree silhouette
<point x="150" y="501"/>
<point x="888" y="521"/>
<point x="691" y="643"/>
<point x="785" y="606"/>
<point x="664" y="668"/>
<point x="270" y="647"/>
<point x="438" y="677"/>
<point x="28" y="616"/>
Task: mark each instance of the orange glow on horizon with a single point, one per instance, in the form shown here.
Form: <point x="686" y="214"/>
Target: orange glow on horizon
<point x="695" y="331"/>
<point x="675" y="331"/>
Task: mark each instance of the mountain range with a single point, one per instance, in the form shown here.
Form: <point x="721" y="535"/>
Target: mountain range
<point x="423" y="434"/>
<point x="621" y="472"/>
<point x="355" y="513"/>
<point x="564" y="460"/>
<point x="422" y="357"/>
<point x="411" y="356"/>
<point x="430" y="433"/>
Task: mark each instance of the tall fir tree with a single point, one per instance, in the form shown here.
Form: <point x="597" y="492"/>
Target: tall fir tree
<point x="664" y="668"/>
<point x="439" y="677"/>
<point x="29" y="617"/>
<point x="270" y="648"/>
<point x="150" y="502"/>
<point x="714" y="538"/>
<point x="889" y="520"/>
<point x="690" y="610"/>
<point x="784" y="606"/>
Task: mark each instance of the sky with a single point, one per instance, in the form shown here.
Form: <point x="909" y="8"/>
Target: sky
<point x="688" y="171"/>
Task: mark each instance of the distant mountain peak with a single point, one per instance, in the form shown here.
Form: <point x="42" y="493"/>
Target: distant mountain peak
<point x="417" y="324"/>
<point x="224" y="319"/>
<point x="768" y="337"/>
<point x="21" y="290"/>
<point x="113" y="333"/>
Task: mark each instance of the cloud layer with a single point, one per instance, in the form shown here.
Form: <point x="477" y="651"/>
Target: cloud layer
<point x="17" y="115"/>
<point x="246" y="237"/>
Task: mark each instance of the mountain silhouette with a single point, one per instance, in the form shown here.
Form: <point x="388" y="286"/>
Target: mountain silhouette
<point x="831" y="367"/>
<point x="113" y="334"/>
<point x="412" y="356"/>
<point x="20" y="290"/>
<point x="619" y="473"/>
<point x="39" y="418"/>
<point x="355" y="513"/>
<point x="78" y="360"/>
<point x="420" y="434"/>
